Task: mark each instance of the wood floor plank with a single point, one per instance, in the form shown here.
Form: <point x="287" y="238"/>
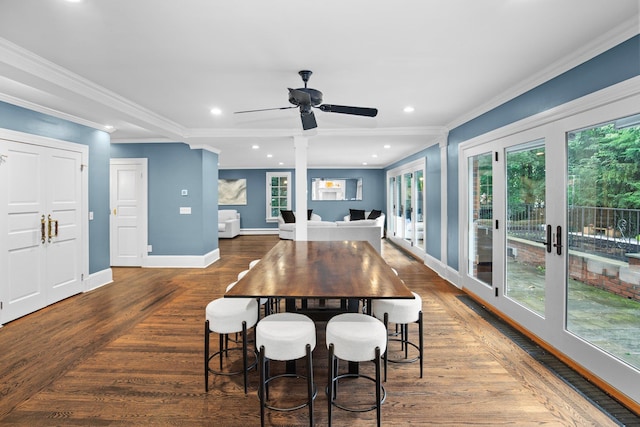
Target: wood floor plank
<point x="131" y="353"/>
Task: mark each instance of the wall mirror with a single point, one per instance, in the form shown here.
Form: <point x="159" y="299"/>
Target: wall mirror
<point x="336" y="188"/>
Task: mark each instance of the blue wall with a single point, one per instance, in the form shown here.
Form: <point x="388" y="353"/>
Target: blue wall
<point x="613" y="66"/>
<point x="28" y="121"/>
<point x="253" y="215"/>
<point x="172" y="168"/>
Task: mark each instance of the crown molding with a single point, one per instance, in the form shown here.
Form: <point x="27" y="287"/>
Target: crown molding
<point x="281" y="133"/>
<point x="608" y="40"/>
<point x="32" y="64"/>
<point x="55" y="113"/>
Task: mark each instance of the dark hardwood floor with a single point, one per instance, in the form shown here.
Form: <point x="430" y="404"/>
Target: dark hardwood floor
<point x="131" y="353"/>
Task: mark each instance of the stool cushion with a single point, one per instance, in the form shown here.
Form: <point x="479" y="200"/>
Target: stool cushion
<point x="285" y="336"/>
<point x="355" y="336"/>
<point x="225" y="315"/>
<point x="400" y="311"/>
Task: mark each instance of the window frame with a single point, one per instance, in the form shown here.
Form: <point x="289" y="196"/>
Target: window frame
<point x="269" y="188"/>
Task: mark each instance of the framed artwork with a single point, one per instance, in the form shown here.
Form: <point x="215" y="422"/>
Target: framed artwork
<point x="232" y="191"/>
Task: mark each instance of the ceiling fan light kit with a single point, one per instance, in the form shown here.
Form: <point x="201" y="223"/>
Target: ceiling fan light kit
<point x="306" y="98"/>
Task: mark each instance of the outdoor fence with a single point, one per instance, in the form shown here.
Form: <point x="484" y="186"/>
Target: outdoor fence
<point x="609" y="232"/>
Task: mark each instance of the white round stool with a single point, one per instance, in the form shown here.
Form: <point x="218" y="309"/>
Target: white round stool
<point x="355" y="337"/>
<point x="285" y="337"/>
<point x="226" y="316"/>
<point x="263" y="301"/>
<point x="402" y="312"/>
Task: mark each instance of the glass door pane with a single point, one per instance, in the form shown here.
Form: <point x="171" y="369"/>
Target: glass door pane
<point x="419" y="217"/>
<point x="408" y="207"/>
<point x="603" y="221"/>
<point x="525" y="251"/>
<point x="481" y="217"/>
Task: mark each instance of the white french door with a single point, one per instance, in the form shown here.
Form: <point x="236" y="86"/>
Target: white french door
<point x="550" y="229"/>
<point x="42" y="259"/>
<point x="128" y="218"/>
<point x="406" y="196"/>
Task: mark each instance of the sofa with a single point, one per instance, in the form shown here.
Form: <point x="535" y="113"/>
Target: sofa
<point x="228" y="223"/>
<point x="378" y="222"/>
<point x="318" y="230"/>
<point x="287" y="230"/>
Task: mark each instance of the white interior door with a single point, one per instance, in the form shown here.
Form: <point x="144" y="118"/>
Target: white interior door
<point x="128" y="225"/>
<point x="41" y="253"/>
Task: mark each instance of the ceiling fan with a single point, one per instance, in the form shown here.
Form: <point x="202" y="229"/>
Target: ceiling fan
<point x="306" y="98"/>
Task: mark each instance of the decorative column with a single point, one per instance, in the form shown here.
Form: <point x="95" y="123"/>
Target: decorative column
<point x="300" y="144"/>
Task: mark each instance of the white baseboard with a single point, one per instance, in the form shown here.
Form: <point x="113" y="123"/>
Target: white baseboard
<point x="98" y="279"/>
<point x="255" y="231"/>
<point x="182" y="261"/>
<point x="444" y="271"/>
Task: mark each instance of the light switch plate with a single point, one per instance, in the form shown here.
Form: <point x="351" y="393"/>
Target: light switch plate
<point x="185" y="210"/>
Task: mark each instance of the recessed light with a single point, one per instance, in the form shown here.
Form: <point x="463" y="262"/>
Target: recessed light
<point x="74" y="1"/>
<point x="409" y="109"/>
<point x="281" y="163"/>
<point x="216" y="111"/>
<point x="269" y="155"/>
<point x="387" y="146"/>
<point x="374" y="156"/>
<point x="255" y="146"/>
<point x="364" y="163"/>
<point x="108" y="127"/>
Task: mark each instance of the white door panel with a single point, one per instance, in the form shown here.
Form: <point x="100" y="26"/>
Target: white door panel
<point x="128" y="212"/>
<point x="40" y="206"/>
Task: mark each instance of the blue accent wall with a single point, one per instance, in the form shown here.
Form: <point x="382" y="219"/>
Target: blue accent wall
<point x="28" y="121"/>
<point x="620" y="63"/>
<point x="373" y="192"/>
<point x="174" y="167"/>
<point x="253" y="214"/>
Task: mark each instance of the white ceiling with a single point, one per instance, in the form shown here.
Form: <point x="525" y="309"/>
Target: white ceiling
<point x="154" y="69"/>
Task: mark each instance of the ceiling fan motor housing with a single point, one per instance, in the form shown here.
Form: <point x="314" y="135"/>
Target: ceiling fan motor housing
<point x="316" y="96"/>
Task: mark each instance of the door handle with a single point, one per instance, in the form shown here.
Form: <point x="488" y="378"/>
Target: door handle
<point x="42" y="236"/>
<point x="54" y="228"/>
<point x="558" y="244"/>
<point x="548" y="242"/>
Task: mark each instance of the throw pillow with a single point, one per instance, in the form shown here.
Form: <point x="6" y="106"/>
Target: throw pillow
<point x="374" y="214"/>
<point x="288" y="216"/>
<point x="356" y="214"/>
<point x="309" y="211"/>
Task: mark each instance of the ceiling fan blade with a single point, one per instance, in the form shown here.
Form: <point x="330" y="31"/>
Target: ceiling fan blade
<point x="299" y="97"/>
<point x="343" y="109"/>
<point x="263" y="109"/>
<point x="308" y="120"/>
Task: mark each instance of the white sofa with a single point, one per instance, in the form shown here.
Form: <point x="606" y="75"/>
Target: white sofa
<point x="318" y="230"/>
<point x="228" y="223"/>
<point x="287" y="230"/>
<point x="378" y="222"/>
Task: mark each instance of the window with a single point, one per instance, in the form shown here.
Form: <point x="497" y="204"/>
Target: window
<point x="278" y="194"/>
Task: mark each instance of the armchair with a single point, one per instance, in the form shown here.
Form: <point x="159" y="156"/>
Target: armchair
<point x="228" y="223"/>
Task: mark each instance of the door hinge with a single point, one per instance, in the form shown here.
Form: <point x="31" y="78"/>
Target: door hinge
<point x="496" y="224"/>
<point x="82" y="167"/>
<point x="1" y="305"/>
<point x="82" y="277"/>
<point x="496" y="156"/>
<point x="496" y="291"/>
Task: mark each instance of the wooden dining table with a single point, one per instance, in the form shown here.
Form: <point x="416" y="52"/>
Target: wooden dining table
<point x="301" y="270"/>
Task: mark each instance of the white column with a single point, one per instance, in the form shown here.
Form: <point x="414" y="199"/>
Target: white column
<point x="300" y="144"/>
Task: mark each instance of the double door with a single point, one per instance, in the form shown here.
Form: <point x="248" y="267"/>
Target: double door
<point x="550" y="223"/>
<point x="41" y="258"/>
<point x="406" y="225"/>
